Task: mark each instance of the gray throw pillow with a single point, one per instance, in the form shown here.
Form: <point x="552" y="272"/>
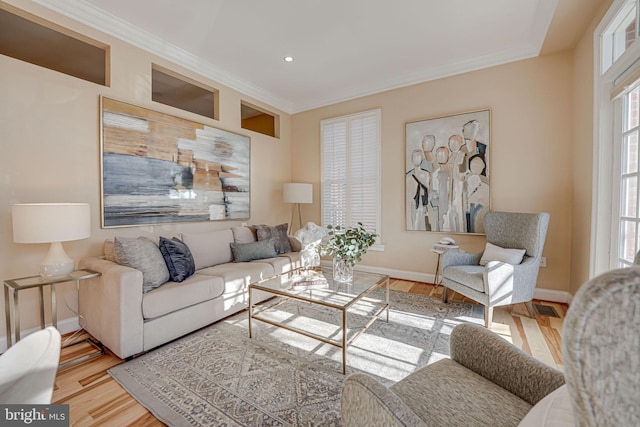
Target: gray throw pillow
<point x="277" y="234"/>
<point x="245" y="252"/>
<point x="144" y="255"/>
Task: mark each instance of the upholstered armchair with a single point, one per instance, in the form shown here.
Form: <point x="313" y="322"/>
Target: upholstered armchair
<point x="28" y="368"/>
<point x="490" y="382"/>
<point x="499" y="283"/>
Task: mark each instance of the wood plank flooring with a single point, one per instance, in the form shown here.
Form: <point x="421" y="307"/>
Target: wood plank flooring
<point x="96" y="399"/>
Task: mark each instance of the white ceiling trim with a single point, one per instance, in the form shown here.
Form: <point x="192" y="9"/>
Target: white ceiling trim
<point x="541" y="22"/>
<point x="101" y="20"/>
<point x="538" y="32"/>
<point x="433" y="73"/>
<point x="94" y="17"/>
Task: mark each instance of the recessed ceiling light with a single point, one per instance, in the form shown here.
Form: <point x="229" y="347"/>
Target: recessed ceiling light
<point x="288" y="59"/>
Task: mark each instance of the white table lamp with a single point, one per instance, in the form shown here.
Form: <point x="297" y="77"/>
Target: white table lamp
<point x="52" y="223"/>
<point x="296" y="193"/>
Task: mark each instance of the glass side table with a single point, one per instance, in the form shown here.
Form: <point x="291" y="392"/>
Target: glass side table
<point x="14" y="286"/>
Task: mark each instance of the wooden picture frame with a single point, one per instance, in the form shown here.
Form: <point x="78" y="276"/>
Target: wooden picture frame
<point x="157" y="168"/>
<point x="447" y="174"/>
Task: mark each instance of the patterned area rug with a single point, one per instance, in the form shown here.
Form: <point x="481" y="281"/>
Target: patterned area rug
<point x="219" y="376"/>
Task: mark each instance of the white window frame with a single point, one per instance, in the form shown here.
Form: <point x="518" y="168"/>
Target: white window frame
<point x="606" y="152"/>
<point x="377" y="144"/>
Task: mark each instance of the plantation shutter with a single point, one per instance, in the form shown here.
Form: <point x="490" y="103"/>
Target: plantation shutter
<point x="351" y="170"/>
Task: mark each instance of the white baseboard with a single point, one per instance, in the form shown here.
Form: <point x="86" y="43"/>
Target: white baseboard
<point x="541" y="294"/>
<point x="64" y="326"/>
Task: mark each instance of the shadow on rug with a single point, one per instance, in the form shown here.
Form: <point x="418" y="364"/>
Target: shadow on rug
<point x="219" y="376"/>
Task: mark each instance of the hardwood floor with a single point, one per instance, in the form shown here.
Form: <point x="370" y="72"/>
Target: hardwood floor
<point x="96" y="399"/>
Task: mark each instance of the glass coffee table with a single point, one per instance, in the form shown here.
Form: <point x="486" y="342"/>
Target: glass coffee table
<point x="333" y="294"/>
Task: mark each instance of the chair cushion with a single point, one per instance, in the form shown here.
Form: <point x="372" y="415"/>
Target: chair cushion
<point x="496" y="253"/>
<point x="175" y="296"/>
<point x="469" y="275"/>
<point x="458" y="396"/>
<point x="554" y="410"/>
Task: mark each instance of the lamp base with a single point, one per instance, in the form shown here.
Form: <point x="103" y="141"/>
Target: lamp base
<point x="57" y="263"/>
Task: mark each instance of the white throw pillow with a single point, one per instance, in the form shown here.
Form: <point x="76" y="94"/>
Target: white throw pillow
<point x="496" y="253"/>
<point x="553" y="411"/>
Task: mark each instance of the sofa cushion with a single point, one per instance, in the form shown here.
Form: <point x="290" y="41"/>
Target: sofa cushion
<point x="280" y="264"/>
<point x="554" y="410"/>
<point x="461" y="397"/>
<point x="175" y="296"/>
<point x="276" y="233"/>
<point x="142" y="254"/>
<point x="238" y="276"/>
<point x="245" y="252"/>
<point x="244" y="234"/>
<point x="294" y="259"/>
<point x="496" y="253"/>
<point x="209" y="248"/>
<point x="178" y="258"/>
<point x="471" y="275"/>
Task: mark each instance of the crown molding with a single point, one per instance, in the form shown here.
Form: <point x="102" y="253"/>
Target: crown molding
<point x="426" y="75"/>
<point x="107" y="23"/>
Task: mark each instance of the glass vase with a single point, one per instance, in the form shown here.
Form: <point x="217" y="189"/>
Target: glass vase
<point x="342" y="271"/>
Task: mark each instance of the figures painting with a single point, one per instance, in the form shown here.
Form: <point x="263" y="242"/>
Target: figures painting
<point x="447" y="173"/>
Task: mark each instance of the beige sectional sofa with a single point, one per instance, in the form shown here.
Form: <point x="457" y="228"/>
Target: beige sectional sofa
<point x="115" y="310"/>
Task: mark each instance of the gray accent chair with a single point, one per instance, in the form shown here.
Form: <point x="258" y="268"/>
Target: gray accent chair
<point x="499" y="283"/>
<point x="601" y="350"/>
<point x="489" y="382"/>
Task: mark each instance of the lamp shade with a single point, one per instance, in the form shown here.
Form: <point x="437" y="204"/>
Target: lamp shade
<point x="50" y="222"/>
<point x="295" y="192"/>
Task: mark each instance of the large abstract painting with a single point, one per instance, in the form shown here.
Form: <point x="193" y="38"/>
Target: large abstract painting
<point x="157" y="168"/>
<point x="447" y="173"/>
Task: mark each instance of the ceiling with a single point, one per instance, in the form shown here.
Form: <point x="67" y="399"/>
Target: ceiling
<point x="342" y="49"/>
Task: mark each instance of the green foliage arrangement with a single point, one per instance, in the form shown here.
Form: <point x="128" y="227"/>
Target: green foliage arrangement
<point x="348" y="244"/>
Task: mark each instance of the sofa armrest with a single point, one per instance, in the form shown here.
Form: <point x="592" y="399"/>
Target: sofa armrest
<point x="296" y="245"/>
<point x="367" y="402"/>
<point x="111" y="306"/>
<point x="499" y="361"/>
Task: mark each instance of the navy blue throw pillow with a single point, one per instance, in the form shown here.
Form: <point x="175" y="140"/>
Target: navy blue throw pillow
<point x="178" y="258"/>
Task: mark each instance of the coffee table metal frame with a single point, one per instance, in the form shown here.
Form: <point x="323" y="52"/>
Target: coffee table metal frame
<point x="308" y="296"/>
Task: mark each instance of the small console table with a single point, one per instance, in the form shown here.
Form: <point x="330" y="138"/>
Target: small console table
<point x="14" y="286"/>
<point x="439" y="249"/>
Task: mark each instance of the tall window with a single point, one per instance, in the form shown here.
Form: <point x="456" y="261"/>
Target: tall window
<point x="351" y="170"/>
<point x="616" y="204"/>
<point x="629" y="218"/>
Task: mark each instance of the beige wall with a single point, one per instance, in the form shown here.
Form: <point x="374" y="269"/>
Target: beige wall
<point x="49" y="135"/>
<point x="583" y="60"/>
<point x="531" y="152"/>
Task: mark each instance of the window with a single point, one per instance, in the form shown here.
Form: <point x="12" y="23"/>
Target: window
<point x="178" y="91"/>
<point x="616" y="208"/>
<point x="629" y="213"/>
<point x="620" y="34"/>
<point x="257" y="120"/>
<point x="351" y="170"/>
<point x="42" y="43"/>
